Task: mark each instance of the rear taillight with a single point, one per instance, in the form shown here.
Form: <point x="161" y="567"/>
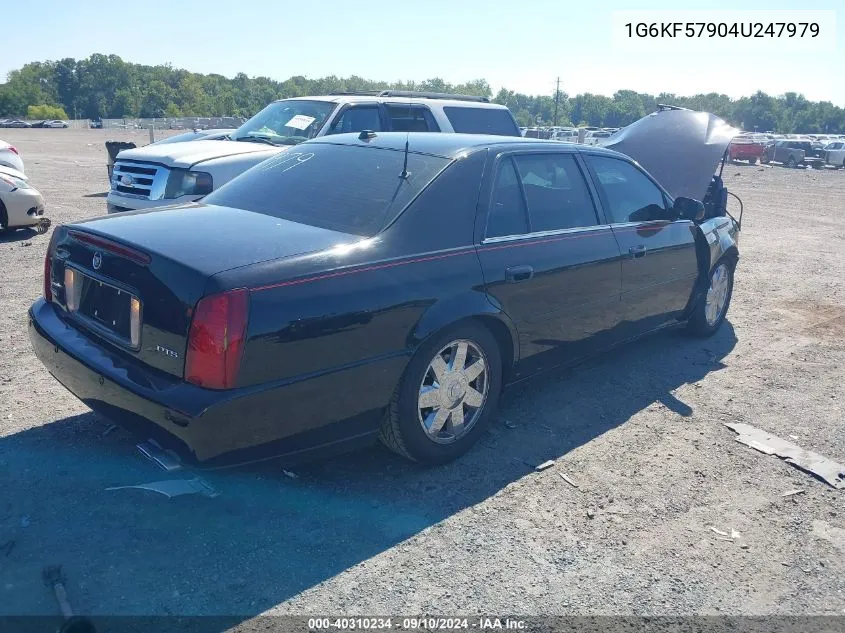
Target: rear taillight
<point x="216" y="339"/>
<point x="14" y="149"/>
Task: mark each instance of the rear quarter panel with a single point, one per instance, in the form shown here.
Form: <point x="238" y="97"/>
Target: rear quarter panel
<point x="378" y="299"/>
<point x="337" y="328"/>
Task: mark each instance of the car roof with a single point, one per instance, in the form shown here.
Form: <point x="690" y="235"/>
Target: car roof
<point x="455" y="145"/>
<point x="461" y="103"/>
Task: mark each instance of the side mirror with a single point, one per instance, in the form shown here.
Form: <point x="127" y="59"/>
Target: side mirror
<point x="688" y="209"/>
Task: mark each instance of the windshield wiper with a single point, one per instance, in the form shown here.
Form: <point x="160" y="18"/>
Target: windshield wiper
<point x="256" y="139"/>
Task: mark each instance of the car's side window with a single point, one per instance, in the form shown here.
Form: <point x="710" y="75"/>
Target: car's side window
<point x="630" y="195"/>
<point x="539" y="192"/>
<point x="555" y="191"/>
<point x="356" y="119"/>
<point x="411" y="118"/>
<point x="508" y="214"/>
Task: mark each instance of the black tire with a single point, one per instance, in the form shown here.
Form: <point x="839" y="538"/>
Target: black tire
<point x="764" y="159"/>
<point x="698" y="324"/>
<point x="752" y="160"/>
<point x="791" y="163"/>
<point x="401" y="430"/>
<point x="4" y="216"/>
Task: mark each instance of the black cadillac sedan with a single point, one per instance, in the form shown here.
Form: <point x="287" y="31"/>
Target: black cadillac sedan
<point x="371" y="286"/>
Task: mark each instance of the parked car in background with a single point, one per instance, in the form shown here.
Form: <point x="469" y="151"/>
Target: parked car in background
<point x="163" y="174"/>
<point x="20" y="204"/>
<point x="596" y="137"/>
<point x="9" y="156"/>
<point x="346" y="306"/>
<point x="565" y="136"/>
<point x="794" y="153"/>
<point x="834" y="154"/>
<point x="746" y="148"/>
<point x="95" y="125"/>
<point x="56" y="123"/>
<point x="17" y="123"/>
<point x="537" y="132"/>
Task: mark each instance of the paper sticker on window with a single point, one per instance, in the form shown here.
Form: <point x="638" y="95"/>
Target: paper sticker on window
<point x="300" y="122"/>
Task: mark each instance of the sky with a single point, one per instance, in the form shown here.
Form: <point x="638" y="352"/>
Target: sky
<point x="523" y="46"/>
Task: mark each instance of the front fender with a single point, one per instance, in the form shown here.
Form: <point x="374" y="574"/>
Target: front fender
<point x="468" y="305"/>
<point x="716" y="239"/>
<point x="721" y="235"/>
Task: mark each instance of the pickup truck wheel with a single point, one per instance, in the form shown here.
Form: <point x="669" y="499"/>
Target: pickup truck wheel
<point x="792" y="163"/>
<point x="710" y="313"/>
<point x="752" y="160"/>
<point x="446" y="398"/>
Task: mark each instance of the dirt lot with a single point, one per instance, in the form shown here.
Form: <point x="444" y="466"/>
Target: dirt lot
<point x="640" y="431"/>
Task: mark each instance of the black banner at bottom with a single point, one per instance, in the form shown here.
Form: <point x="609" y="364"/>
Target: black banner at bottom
<point x="315" y="624"/>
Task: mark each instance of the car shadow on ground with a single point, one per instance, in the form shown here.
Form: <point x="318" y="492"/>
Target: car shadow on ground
<point x="267" y="536"/>
<point x="18" y="235"/>
<point x="103" y="194"/>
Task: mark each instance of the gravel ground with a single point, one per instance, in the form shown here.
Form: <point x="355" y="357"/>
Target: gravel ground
<point x="640" y="431"/>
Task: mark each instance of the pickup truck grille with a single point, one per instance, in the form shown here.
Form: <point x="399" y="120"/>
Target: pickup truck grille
<point x="139" y="180"/>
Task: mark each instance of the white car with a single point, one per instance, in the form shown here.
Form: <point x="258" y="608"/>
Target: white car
<point x="55" y="123"/>
<point x="569" y="135"/>
<point x="20" y="204"/>
<point x="834" y="154"/>
<point x="9" y="157"/>
<point x="596" y="137"/>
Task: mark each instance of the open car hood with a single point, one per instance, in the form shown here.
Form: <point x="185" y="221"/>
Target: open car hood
<point x="680" y="148"/>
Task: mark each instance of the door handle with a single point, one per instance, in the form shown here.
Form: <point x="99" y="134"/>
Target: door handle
<point x="637" y="251"/>
<point x="514" y="274"/>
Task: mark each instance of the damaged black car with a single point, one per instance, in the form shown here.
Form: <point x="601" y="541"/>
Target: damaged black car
<point x="385" y="286"/>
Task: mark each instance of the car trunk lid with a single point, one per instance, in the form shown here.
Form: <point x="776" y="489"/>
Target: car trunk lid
<point x="154" y="266"/>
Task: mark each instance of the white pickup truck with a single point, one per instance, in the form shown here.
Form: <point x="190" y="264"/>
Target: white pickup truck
<point x="162" y="174"/>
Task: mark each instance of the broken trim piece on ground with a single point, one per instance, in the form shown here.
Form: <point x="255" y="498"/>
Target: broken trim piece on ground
<point x="825" y="469"/>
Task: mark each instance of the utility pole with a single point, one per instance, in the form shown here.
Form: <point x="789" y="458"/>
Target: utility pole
<point x="557" y="98"/>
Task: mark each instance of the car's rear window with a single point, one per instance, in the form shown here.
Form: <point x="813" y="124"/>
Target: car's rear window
<point x="469" y="120"/>
<point x="352" y="189"/>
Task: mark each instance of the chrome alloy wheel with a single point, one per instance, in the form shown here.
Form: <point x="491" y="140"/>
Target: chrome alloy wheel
<point x="717" y="295"/>
<point x="453" y="391"/>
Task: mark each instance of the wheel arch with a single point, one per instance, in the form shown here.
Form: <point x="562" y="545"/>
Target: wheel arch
<point x="472" y="306"/>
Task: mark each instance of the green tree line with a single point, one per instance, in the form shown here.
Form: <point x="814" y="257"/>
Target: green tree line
<point x="105" y="86"/>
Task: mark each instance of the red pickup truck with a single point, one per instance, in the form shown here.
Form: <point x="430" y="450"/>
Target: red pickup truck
<point x="745" y="148"/>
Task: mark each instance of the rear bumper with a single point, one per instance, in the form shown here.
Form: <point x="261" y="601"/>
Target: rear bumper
<point x="209" y="428"/>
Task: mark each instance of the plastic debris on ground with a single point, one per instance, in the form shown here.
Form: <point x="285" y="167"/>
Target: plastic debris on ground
<point x="825" y="469"/>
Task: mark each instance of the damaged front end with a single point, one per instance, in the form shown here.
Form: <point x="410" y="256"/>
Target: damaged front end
<point x="685" y="150"/>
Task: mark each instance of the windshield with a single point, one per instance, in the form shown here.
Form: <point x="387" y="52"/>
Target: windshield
<point x="352" y="189"/>
<point x="285" y="122"/>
